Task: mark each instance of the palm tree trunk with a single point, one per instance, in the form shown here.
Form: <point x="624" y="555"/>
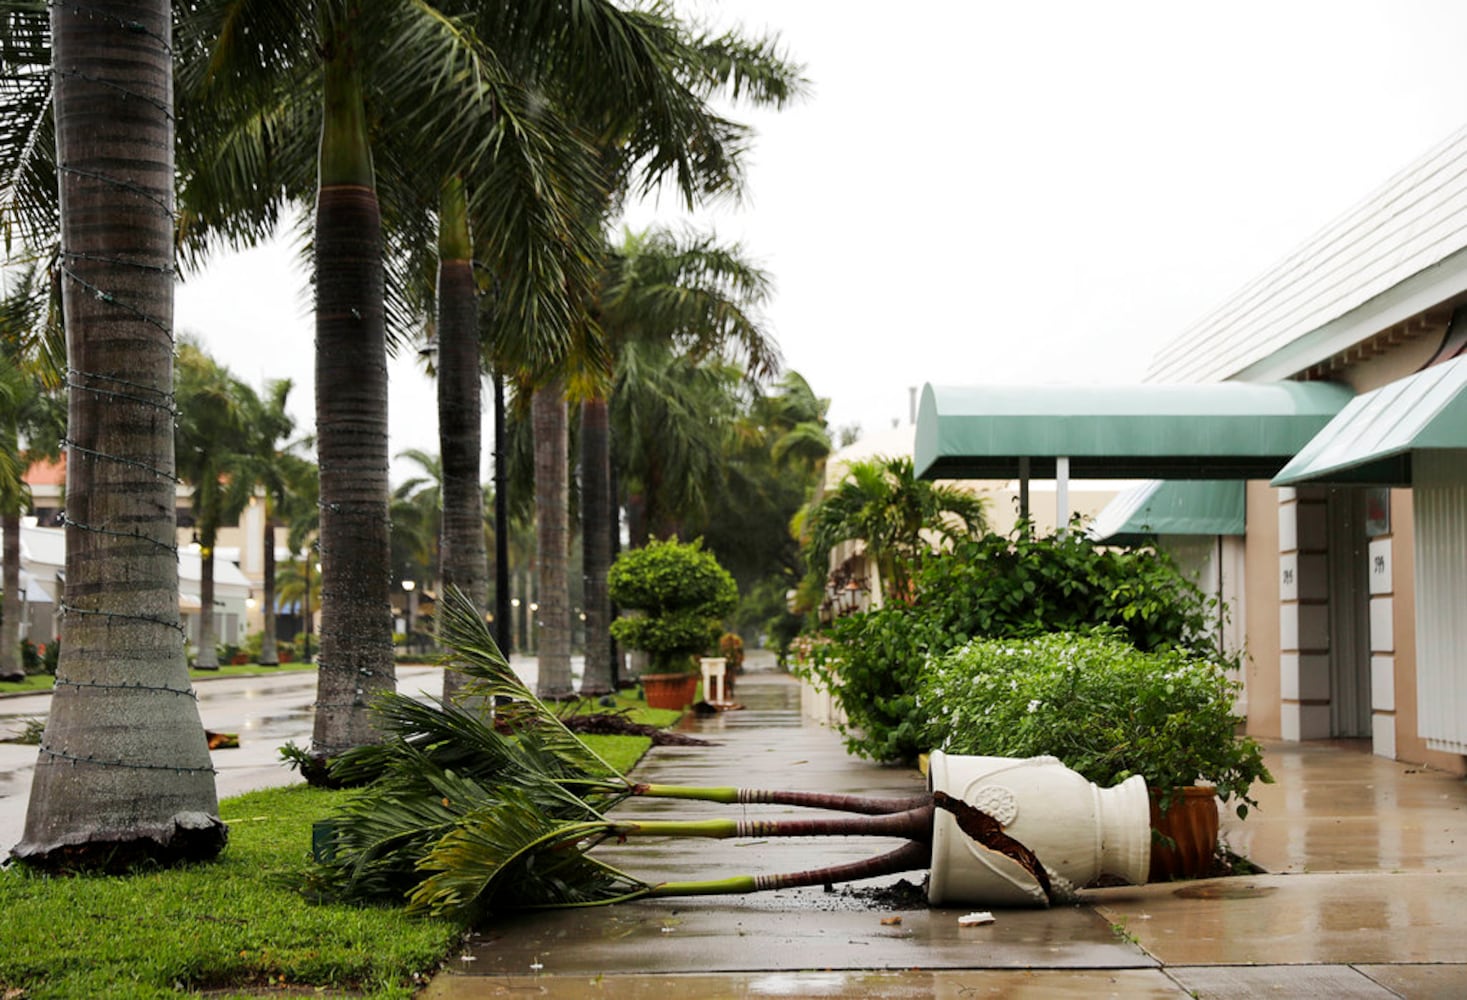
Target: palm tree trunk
<point x="351" y="420"/>
<point x="123" y="771"/>
<point x="911" y="856"/>
<point x="269" y="653"/>
<point x="460" y="412"/>
<point x="10" y="665"/>
<point x="596" y="544"/>
<point x="503" y="614"/>
<point x="552" y="503"/>
<point x="208" y="654"/>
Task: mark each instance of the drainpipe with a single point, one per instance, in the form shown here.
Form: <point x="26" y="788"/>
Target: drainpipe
<point x="1024" y="488"/>
<point x="1062" y="495"/>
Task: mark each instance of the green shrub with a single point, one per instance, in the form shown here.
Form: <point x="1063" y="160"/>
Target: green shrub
<point x="731" y="648"/>
<point x="998" y="586"/>
<point x="682" y="593"/>
<point x="39" y="659"/>
<point x="1103" y="707"/>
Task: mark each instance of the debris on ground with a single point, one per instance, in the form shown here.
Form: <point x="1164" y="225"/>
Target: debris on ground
<point x="222" y="741"/>
<point x="975" y="919"/>
<point x="617" y="724"/>
<point x="899" y="895"/>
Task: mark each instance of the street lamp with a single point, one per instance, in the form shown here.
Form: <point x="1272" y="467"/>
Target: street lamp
<point x="409" y="586"/>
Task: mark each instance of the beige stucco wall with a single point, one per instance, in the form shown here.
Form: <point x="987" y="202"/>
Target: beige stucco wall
<point x="1261" y="589"/>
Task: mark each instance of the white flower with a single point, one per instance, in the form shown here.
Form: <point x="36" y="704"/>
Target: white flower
<point x="1033" y="704"/>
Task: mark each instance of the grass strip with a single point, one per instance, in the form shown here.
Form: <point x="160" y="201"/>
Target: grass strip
<point x="38" y="683"/>
<point x="238" y="923"/>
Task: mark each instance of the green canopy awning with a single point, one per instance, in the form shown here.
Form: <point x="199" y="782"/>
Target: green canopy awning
<point x="1371" y="440"/>
<point x="1217" y="430"/>
<point x="1170" y="507"/>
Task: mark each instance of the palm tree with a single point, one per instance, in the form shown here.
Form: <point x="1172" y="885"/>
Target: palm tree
<point x="417" y="514"/>
<point x="417" y="535"/>
<point x="639" y="144"/>
<point x="14" y="497"/>
<point x="691" y="294"/>
<point x="445" y="88"/>
<point x="671" y="418"/>
<point x="271" y="468"/>
<point x="31" y="413"/>
<point x="897" y="516"/>
<point x="462" y="819"/>
<point x="123" y="770"/>
<point x="301" y="508"/>
<point x="296" y="582"/>
<point x="775" y="459"/>
<point x="211" y="425"/>
<point x="465" y="560"/>
<point x="552" y="536"/>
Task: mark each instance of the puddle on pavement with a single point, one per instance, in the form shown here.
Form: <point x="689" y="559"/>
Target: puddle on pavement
<point x="1224" y="890"/>
<point x="206" y="696"/>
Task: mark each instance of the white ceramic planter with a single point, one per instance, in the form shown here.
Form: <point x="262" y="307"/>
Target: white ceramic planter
<point x="1078" y="830"/>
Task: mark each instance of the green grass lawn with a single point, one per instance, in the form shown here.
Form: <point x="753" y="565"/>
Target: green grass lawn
<point x="32" y="684"/>
<point x="236" y="924"/>
<point x="43" y="682"/>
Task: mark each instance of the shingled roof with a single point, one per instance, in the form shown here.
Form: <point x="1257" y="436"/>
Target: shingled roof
<point x="1397" y="254"/>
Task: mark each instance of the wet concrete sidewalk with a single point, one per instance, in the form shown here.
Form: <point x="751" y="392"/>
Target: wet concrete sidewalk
<point x="1366" y="897"/>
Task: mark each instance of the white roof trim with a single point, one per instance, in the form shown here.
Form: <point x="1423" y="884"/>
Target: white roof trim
<point x="1377" y="264"/>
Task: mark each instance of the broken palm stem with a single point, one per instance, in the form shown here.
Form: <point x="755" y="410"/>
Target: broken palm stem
<point x="465" y="819"/>
<point x="911" y="856"/>
<point x="864" y="804"/>
<point x="913" y="824"/>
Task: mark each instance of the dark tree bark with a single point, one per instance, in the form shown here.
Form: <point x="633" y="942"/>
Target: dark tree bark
<point x="465" y="563"/>
<point x="123" y="772"/>
<point x="269" y="653"/>
<point x="552" y="550"/>
<point x="11" y="668"/>
<point x="596" y="530"/>
<point x="351" y="422"/>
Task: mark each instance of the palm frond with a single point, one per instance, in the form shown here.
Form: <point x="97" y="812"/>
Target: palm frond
<point x="509" y="855"/>
<point x="29" y="211"/>
<point x="462" y="629"/>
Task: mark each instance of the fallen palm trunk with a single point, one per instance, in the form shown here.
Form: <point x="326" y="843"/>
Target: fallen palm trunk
<point x="464" y="819"/>
<point x="864" y="804"/>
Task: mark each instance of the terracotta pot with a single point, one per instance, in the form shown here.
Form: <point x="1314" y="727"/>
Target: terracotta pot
<point x="1078" y="830"/>
<point x="1192" y="823"/>
<point x="674" y="691"/>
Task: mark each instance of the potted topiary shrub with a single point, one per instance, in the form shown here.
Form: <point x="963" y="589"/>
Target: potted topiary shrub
<point x="1108" y="711"/>
<point x="680" y="594"/>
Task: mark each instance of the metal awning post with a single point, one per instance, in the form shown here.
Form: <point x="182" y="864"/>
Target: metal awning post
<point x="1024" y="488"/>
<point x="1062" y="495"/>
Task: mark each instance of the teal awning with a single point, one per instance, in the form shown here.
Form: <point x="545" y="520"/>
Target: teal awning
<point x="1370" y="442"/>
<point x="1171" y="507"/>
<point x="1217" y="430"/>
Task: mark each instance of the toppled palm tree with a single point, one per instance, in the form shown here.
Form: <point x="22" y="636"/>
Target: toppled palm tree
<point x="467" y="816"/>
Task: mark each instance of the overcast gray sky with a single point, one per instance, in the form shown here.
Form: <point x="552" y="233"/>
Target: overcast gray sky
<point x="1002" y="192"/>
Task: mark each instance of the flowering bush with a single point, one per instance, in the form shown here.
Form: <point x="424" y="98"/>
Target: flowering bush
<point x="1104" y="708"/>
<point x="991" y="587"/>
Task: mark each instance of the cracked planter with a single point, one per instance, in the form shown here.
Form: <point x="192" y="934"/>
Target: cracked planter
<point x="1078" y="830"/>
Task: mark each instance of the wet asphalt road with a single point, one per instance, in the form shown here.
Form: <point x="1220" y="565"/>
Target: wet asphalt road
<point x="266" y="712"/>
